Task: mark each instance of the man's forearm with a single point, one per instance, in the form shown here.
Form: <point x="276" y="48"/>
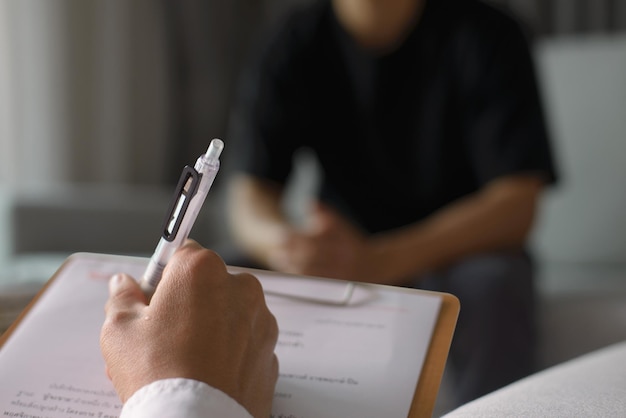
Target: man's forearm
<point x="256" y="216"/>
<point x="498" y="217"/>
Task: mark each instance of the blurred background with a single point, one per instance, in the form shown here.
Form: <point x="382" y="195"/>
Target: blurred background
<point x="102" y="102"/>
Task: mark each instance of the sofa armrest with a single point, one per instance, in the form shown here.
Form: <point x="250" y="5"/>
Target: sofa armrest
<point x="591" y="385"/>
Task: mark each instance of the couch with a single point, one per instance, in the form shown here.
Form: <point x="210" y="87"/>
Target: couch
<point x="593" y="385"/>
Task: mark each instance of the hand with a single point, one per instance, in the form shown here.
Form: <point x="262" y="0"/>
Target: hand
<point x="330" y="247"/>
<point x="202" y="323"/>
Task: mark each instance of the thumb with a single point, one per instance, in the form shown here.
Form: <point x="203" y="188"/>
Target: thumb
<point x="124" y="295"/>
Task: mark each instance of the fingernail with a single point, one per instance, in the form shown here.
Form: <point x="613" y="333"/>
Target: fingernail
<point x="115" y="282"/>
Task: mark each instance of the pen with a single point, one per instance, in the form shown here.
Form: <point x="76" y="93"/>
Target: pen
<point x="193" y="187"/>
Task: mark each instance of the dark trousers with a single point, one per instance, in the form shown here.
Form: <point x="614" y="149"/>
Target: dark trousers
<point x="494" y="341"/>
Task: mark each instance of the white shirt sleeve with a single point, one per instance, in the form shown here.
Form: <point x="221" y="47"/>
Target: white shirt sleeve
<point x="169" y="398"/>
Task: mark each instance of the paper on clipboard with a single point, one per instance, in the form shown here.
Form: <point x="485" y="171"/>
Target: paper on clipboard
<point x="360" y="359"/>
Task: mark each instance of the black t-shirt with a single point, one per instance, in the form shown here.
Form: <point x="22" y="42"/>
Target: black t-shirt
<point x="400" y="135"/>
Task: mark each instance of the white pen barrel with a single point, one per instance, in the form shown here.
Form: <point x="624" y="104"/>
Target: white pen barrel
<point x="176" y="233"/>
<point x="151" y="277"/>
<point x="154" y="271"/>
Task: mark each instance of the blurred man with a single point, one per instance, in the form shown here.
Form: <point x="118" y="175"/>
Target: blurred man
<point x="426" y="120"/>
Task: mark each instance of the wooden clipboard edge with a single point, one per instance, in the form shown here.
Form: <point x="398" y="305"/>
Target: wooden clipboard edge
<point x="7" y="334"/>
<point x="429" y="382"/>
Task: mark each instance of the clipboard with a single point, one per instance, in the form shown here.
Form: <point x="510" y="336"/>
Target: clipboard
<point x="428" y="382"/>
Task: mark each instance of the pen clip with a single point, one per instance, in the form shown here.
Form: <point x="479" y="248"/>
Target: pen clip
<point x="185" y="190"/>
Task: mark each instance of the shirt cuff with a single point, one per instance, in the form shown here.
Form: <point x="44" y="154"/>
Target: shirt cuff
<point x="170" y="398"/>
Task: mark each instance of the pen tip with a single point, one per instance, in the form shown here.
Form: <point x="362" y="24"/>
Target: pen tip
<point x="215" y="148"/>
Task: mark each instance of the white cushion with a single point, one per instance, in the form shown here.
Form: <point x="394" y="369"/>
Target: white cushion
<point x="593" y="385"/>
